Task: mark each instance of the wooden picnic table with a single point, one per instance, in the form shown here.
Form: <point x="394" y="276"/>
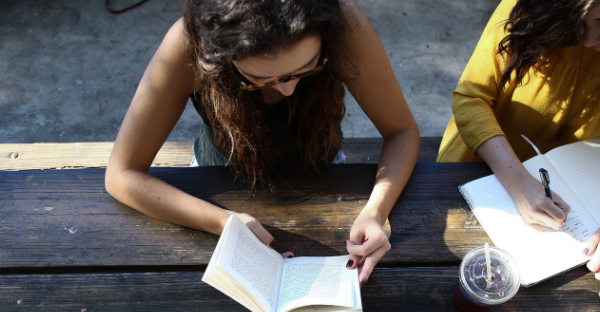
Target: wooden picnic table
<point x="67" y="245"/>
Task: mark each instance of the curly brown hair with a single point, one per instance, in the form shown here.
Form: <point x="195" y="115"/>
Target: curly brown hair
<point x="220" y="31"/>
<point x="537" y="29"/>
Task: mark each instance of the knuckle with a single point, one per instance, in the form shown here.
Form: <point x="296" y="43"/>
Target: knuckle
<point x="361" y="250"/>
<point x="382" y="238"/>
<point x="370" y="263"/>
<point x="528" y="219"/>
<point x="536" y="210"/>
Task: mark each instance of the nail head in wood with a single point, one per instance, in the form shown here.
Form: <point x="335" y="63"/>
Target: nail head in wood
<point x="14" y="155"/>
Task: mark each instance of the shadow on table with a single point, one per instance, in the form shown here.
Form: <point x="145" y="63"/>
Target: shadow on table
<point x="431" y="225"/>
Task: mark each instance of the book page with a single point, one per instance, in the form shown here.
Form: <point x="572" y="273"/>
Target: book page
<point x="579" y="165"/>
<point x="315" y="281"/>
<point x="251" y="263"/>
<point x="222" y="281"/>
<point x="540" y="251"/>
<point x="357" y="300"/>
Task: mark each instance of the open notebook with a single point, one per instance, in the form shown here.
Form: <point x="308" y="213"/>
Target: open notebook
<point x="542" y="252"/>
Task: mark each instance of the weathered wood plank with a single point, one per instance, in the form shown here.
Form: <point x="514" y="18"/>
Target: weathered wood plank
<point x="172" y="154"/>
<point x="388" y="289"/>
<point x="66" y="218"/>
<point x="367" y="150"/>
<point x="82" y="155"/>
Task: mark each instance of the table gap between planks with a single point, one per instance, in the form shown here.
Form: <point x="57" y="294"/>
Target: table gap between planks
<point x="65" y="244"/>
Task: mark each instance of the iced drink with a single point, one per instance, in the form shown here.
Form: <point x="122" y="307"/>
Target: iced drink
<point x="476" y="292"/>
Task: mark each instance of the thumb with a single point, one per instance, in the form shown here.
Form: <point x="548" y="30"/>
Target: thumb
<point x="353" y="259"/>
<point x="257" y="228"/>
<point x="592" y="243"/>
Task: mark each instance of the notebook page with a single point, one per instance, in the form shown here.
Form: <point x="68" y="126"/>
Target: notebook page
<point x="579" y="164"/>
<point x="531" y="247"/>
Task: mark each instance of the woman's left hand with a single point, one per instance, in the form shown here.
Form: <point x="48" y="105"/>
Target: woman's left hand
<point x="591" y="249"/>
<point x="367" y="244"/>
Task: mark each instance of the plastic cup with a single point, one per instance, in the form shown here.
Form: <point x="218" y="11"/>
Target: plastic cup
<point x="474" y="292"/>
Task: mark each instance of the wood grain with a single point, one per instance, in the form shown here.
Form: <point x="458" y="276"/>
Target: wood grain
<point x="388" y="289"/>
<point x="63" y="218"/>
<point x="35" y="156"/>
<point x="65" y="244"/>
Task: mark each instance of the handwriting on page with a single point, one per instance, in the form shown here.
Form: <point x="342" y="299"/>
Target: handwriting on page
<point x="310" y="279"/>
<point x="576" y="227"/>
<point x="578" y="164"/>
<point x="258" y="267"/>
<point x="580" y="224"/>
<point x="531" y="246"/>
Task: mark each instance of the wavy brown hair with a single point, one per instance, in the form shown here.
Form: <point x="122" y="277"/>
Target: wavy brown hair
<point x="220" y="31"/>
<point x="537" y="29"/>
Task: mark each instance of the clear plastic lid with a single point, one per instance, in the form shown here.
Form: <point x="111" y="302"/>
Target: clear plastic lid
<point x="505" y="280"/>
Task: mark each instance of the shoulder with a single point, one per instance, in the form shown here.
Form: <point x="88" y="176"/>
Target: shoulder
<point x="495" y="28"/>
<point x="354" y="16"/>
<point x="172" y="57"/>
<point x="176" y="41"/>
<point x="171" y="66"/>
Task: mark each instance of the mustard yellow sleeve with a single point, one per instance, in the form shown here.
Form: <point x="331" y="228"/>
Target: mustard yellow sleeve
<point x="477" y="89"/>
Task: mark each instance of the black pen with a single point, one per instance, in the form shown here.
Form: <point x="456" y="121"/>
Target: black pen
<point x="546" y="183"/>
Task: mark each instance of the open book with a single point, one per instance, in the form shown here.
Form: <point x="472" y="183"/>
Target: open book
<point x="259" y="278"/>
<point x="541" y="252"/>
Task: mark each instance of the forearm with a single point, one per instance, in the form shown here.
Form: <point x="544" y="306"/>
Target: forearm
<point x="156" y="198"/>
<point x="527" y="191"/>
<point x="503" y="161"/>
<point x="396" y="163"/>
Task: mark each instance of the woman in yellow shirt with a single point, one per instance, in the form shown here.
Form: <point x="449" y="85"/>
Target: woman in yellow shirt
<point x="536" y="72"/>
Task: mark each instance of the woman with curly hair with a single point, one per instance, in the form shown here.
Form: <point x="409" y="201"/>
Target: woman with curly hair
<point x="536" y="72"/>
<point x="268" y="78"/>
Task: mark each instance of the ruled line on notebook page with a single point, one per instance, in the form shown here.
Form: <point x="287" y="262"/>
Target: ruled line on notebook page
<point x="497" y="213"/>
<point x="579" y="165"/>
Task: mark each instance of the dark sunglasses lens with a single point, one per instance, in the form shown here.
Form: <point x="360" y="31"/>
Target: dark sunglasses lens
<point x="284" y="80"/>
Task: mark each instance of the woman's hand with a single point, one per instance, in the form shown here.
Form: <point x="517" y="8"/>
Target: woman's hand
<point x="367" y="244"/>
<point x="527" y="191"/>
<point x="378" y="93"/>
<point x="257" y="228"/>
<point x="536" y="207"/>
<point x="592" y="250"/>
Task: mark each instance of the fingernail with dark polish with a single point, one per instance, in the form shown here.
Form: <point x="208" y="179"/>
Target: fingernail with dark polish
<point x="273" y="244"/>
<point x="362" y="283"/>
<point x="350" y="263"/>
<point x="585" y="251"/>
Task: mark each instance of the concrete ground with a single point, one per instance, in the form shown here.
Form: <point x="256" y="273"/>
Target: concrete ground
<point x="68" y="69"/>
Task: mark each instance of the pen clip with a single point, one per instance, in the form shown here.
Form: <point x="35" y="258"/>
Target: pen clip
<point x="544" y="176"/>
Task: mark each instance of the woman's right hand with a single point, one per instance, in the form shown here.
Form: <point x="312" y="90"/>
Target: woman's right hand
<point x="257" y="228"/>
<point x="535" y="206"/>
<point x="527" y="191"/>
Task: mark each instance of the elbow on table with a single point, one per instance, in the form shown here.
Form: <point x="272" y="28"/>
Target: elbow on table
<point x="111" y="180"/>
